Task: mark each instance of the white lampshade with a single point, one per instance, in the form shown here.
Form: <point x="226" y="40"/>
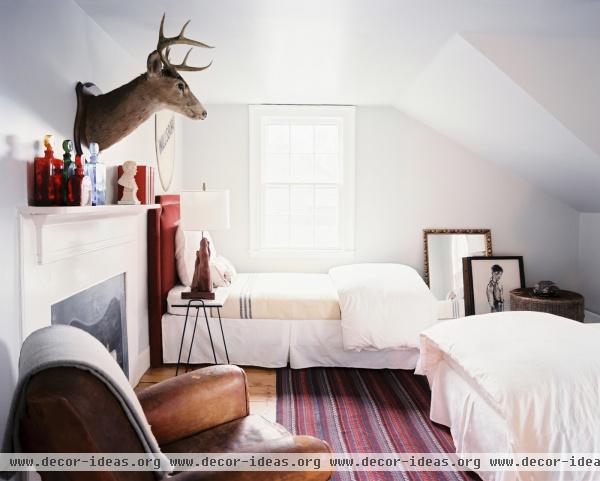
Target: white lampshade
<point x="205" y="210"/>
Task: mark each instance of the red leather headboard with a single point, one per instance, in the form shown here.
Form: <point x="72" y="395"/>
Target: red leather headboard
<point x="162" y="274"/>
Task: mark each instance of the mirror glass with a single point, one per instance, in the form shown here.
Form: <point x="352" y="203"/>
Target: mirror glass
<point x="444" y="253"/>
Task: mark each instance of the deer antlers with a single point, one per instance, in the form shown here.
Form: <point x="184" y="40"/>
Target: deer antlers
<point x="164" y="44"/>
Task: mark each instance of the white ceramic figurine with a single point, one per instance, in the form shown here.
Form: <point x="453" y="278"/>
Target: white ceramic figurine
<point x="127" y="181"/>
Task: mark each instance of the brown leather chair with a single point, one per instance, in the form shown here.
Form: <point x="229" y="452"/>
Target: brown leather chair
<point x="70" y="410"/>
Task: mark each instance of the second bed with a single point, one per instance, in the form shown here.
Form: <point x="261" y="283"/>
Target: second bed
<point x="274" y="320"/>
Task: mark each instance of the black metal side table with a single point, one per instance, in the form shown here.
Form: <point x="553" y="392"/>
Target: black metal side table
<point x="203" y="304"/>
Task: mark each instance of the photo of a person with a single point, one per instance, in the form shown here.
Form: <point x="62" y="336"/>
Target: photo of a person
<point x="495" y="289"/>
<point x="488" y="281"/>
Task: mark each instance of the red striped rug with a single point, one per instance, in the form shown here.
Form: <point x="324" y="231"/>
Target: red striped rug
<point x="364" y="411"/>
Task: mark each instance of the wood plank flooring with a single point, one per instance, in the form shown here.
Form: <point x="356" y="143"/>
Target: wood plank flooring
<point x="261" y="385"/>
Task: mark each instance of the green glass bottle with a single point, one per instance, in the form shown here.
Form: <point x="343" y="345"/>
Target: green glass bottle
<point x="68" y="167"/>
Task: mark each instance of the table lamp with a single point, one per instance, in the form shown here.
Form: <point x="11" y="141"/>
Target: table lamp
<point x="203" y="210"/>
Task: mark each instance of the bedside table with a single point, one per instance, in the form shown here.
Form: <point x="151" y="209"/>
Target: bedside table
<point x="204" y="304"/>
<point x="566" y="303"/>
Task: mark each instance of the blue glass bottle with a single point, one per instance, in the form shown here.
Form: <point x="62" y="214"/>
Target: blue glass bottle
<point x="96" y="170"/>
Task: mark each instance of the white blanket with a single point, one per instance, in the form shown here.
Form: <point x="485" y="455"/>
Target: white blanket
<point x="59" y="346"/>
<point x="383" y="306"/>
<point x="540" y="372"/>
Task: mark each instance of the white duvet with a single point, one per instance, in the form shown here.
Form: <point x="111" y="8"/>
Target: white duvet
<point x="383" y="306"/>
<point x="540" y="372"/>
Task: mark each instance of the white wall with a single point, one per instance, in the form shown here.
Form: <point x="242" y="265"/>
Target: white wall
<point x="589" y="260"/>
<point x="408" y="177"/>
<point x="46" y="47"/>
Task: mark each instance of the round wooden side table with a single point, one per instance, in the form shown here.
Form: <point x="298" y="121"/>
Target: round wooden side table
<point x="564" y="303"/>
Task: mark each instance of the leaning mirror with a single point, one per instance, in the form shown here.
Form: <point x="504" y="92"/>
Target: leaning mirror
<point x="444" y="251"/>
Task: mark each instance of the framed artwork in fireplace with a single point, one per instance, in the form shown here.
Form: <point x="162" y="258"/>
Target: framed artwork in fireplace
<point x="100" y="311"/>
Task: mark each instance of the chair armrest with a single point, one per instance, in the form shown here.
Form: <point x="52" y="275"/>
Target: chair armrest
<point x="291" y="444"/>
<point x="194" y="402"/>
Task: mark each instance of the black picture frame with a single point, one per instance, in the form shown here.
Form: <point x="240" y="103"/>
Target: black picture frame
<point x="468" y="279"/>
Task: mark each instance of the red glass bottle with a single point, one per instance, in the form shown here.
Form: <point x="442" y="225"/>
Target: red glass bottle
<point x="43" y="193"/>
<point x="57" y="182"/>
<point x="48" y="172"/>
<point x="79" y="187"/>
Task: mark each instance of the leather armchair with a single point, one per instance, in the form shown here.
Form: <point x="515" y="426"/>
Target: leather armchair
<point x="207" y="410"/>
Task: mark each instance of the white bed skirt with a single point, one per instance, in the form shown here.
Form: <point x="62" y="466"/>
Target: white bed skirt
<point x="474" y="424"/>
<point x="274" y="343"/>
<point x="319" y="343"/>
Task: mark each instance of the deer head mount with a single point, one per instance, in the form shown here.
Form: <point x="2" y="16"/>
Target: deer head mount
<point x="107" y="118"/>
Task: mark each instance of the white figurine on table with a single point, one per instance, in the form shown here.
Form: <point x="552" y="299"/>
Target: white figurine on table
<point x="127" y="181"/>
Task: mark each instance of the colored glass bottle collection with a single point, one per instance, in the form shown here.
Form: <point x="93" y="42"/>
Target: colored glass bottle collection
<point x="67" y="182"/>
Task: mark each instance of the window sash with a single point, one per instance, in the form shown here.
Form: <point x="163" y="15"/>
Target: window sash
<point x="288" y="213"/>
<point x="290" y="122"/>
<point x="261" y="117"/>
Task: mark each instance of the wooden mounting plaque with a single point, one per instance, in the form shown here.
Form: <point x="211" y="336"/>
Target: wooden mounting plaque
<point x="198" y="295"/>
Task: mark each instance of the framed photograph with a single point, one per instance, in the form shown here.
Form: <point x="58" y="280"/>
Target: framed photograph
<point x="488" y="282"/>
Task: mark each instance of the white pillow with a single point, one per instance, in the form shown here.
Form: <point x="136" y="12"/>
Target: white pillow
<point x="222" y="272"/>
<point x="187" y="244"/>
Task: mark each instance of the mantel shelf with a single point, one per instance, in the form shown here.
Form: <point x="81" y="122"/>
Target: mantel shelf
<point x="46" y="217"/>
<point x="103" y="210"/>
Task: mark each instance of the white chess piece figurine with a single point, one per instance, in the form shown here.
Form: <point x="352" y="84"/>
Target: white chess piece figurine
<point x="127" y="181"/>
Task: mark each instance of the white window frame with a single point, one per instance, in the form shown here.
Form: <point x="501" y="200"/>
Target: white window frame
<point x="346" y="115"/>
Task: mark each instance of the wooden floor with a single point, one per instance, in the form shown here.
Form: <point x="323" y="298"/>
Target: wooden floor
<point x="261" y="383"/>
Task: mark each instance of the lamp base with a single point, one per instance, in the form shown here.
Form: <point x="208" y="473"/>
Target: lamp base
<point x="198" y="295"/>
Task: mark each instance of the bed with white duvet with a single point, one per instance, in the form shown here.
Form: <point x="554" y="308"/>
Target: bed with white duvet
<point x="516" y="382"/>
<point x="360" y="315"/>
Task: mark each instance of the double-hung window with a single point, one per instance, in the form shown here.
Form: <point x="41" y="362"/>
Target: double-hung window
<point x="301" y="180"/>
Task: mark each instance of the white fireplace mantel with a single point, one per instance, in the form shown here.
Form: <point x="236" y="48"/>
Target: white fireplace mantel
<point x="44" y="218"/>
<point x="66" y="250"/>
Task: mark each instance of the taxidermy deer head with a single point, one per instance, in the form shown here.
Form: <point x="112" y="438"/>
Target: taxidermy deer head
<point x="107" y="118"/>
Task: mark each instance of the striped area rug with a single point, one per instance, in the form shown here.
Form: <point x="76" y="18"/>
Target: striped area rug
<point x="364" y="410"/>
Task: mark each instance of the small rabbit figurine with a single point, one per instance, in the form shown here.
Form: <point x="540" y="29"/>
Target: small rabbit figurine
<point x="546" y="288"/>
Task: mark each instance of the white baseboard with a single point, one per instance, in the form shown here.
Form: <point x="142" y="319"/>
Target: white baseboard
<point x="142" y="364"/>
<point x="591" y="317"/>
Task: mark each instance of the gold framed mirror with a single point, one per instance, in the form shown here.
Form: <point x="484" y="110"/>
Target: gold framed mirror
<point x="444" y="250"/>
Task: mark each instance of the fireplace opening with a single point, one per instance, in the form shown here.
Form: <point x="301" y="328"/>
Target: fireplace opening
<point x="100" y="311"/>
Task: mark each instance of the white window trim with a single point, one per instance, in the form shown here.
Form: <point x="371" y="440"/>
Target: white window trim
<point x="347" y="213"/>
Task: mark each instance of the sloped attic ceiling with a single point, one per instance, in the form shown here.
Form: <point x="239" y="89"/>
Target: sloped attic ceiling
<point x="539" y="128"/>
<point x="562" y="73"/>
<point x="512" y="80"/>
